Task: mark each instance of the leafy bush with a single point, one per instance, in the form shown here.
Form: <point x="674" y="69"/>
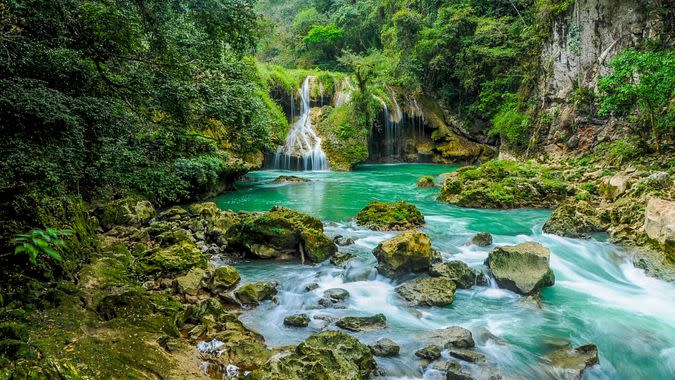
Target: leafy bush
<point x="512" y="124"/>
<point x="47" y="242"/>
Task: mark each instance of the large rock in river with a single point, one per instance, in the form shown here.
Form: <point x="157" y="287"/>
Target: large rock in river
<point x="281" y="232"/>
<point x="330" y="355"/>
<point x="573" y="361"/>
<point x="523" y="268"/>
<point x="396" y="216"/>
<point x="375" y="322"/>
<point x="409" y="252"/>
<point x="430" y="291"/>
<point x="457" y="271"/>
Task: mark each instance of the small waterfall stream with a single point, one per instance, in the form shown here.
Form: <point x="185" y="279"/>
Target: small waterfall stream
<point x="302" y="149"/>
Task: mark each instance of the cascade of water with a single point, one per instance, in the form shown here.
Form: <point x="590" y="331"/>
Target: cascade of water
<point x="302" y="149"/>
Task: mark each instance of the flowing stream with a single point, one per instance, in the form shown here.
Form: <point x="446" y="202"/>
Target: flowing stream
<point x="599" y="296"/>
<point x="302" y="149"/>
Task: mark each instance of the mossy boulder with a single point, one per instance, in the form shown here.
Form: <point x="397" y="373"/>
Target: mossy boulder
<point x="132" y="210"/>
<point x="457" y="271"/>
<point x="329" y="355"/>
<point x="575" y="219"/>
<point x="195" y="314"/>
<point x="297" y="320"/>
<point x="575" y="360"/>
<point x="409" y="252"/>
<point x="430" y="291"/>
<point x="426" y="181"/>
<point x="178" y="257"/>
<point x="523" y="268"/>
<point x="192" y="282"/>
<point x="255" y="292"/>
<point x="481" y="239"/>
<point x="224" y="278"/>
<point x="375" y="322"/>
<point x="449" y="337"/>
<point x="429" y="352"/>
<point x="396" y="216"/>
<point x="503" y="184"/>
<point x="280" y="232"/>
<point x="385" y="347"/>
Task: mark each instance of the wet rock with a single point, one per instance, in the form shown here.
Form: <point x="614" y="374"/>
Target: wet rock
<point x="426" y="181"/>
<point x="336" y="294"/>
<point x="175" y="258"/>
<point x="341" y="258"/>
<point x="457" y="271"/>
<point x="575" y="360"/>
<point x="290" y="179"/>
<point x="660" y="224"/>
<point x="325" y="317"/>
<point x="255" y="292"/>
<point x="297" y="320"/>
<point x="468" y="355"/>
<point x="278" y="233"/>
<point x="575" y="219"/>
<point x="522" y="268"/>
<point x="396" y="216"/>
<point x="385" y="347"/>
<point x="430" y="291"/>
<point x="481" y="239"/>
<point x="454" y="336"/>
<point x="409" y="252"/>
<point x="429" y="352"/>
<point x="311" y="286"/>
<point x="375" y="322"/>
<point x="343" y="241"/>
<point x="326" y="302"/>
<point x="460" y="373"/>
<point x="330" y="355"/>
<point x="224" y="278"/>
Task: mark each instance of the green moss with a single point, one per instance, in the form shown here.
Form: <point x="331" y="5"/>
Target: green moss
<point x="175" y="258"/>
<point x="345" y="137"/>
<point x="384" y="216"/>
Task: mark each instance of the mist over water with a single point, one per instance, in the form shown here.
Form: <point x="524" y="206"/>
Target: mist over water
<point x="599" y="296"/>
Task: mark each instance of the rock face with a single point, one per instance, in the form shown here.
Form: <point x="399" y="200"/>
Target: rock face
<point x="457" y="271"/>
<point x="482" y="239"/>
<point x="397" y="216"/>
<point x="522" y="268"/>
<point x="431" y="291"/>
<point x="377" y="321"/>
<point x="385" y="347"/>
<point x="409" y="252"/>
<point x="575" y="220"/>
<point x="255" y="292"/>
<point x="281" y="232"/>
<point x="660" y="224"/>
<point x="330" y="355"/>
<point x="575" y="360"/>
<point x="454" y="336"/>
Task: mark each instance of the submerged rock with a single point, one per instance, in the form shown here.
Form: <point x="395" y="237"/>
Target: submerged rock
<point x="385" y="347"/>
<point x="255" y="292"/>
<point x="430" y="291"/>
<point x="457" y="271"/>
<point x="341" y="258"/>
<point x="454" y="336"/>
<point x="481" y="239"/>
<point x="330" y="355"/>
<point x="336" y="294"/>
<point x="297" y="320"/>
<point x="396" y="216"/>
<point x="468" y="355"/>
<point x="429" y="352"/>
<point x="409" y="252"/>
<point x="375" y="322"/>
<point x="290" y="178"/>
<point x="522" y="268"/>
<point x="343" y="241"/>
<point x="575" y="360"/>
<point x="280" y="232"/>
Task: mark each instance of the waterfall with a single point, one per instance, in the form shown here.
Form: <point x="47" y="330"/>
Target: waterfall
<point x="392" y="131"/>
<point x="302" y="149"/>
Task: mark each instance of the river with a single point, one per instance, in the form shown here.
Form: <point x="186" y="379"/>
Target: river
<point x="599" y="296"/>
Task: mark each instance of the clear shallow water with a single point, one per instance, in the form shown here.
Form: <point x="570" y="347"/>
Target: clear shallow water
<point x="599" y="296"/>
